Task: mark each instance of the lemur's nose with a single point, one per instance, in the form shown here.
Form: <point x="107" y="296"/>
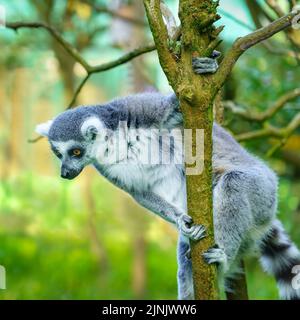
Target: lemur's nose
<point x="65" y="173"/>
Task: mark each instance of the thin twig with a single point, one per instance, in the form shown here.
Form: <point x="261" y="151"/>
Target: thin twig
<point x="271" y="131"/>
<point x="66" y="45"/>
<point x="123" y="59"/>
<point x="269" y="113"/>
<point x="77" y="91"/>
<point x="114" y="13"/>
<point x="290" y="129"/>
<point x="74" y="53"/>
<point x="160" y="35"/>
<point x="34" y="140"/>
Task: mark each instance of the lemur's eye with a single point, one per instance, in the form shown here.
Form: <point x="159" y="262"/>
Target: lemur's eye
<point x="76" y="152"/>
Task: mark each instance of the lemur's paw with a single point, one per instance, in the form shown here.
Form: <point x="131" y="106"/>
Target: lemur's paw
<point x="194" y="232"/>
<point x="206" y="65"/>
<point x="216" y="255"/>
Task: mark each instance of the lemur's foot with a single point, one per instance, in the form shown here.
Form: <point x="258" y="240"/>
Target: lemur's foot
<point x="206" y="65"/>
<point x="194" y="232"/>
<point x="216" y="255"/>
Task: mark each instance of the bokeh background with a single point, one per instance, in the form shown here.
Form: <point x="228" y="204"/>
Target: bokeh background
<point x="85" y="239"/>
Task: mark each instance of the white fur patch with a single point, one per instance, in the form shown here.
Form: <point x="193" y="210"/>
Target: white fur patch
<point x="91" y="124"/>
<point x="43" y="128"/>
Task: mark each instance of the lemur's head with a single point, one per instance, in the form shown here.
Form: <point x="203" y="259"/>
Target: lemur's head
<point x="72" y="135"/>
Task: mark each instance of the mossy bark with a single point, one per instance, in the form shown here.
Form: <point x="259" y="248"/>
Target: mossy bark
<point x="196" y="97"/>
<point x="199" y="201"/>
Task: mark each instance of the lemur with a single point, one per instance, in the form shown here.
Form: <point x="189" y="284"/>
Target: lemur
<point x="244" y="188"/>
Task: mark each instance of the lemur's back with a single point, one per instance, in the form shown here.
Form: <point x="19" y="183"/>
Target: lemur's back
<point x="228" y="154"/>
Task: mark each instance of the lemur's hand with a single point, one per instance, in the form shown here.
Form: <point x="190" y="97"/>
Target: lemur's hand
<point x="216" y="255"/>
<point x="194" y="232"/>
<point x="206" y="65"/>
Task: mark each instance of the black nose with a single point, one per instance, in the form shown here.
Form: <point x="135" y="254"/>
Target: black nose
<point x="65" y="173"/>
<point x="69" y="173"/>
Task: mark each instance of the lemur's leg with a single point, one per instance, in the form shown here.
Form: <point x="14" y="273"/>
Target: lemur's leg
<point x="158" y="205"/>
<point x="233" y="218"/>
<point x="206" y="65"/>
<point x="184" y="273"/>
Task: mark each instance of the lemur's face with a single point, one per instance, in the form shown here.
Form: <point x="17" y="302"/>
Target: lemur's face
<point x="73" y="155"/>
<point x="72" y="140"/>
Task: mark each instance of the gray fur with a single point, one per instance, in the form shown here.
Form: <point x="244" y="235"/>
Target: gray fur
<point x="139" y="111"/>
<point x="184" y="273"/>
<point x="244" y="188"/>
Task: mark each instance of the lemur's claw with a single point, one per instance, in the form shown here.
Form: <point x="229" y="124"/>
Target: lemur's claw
<point x="206" y="65"/>
<point x="215" y="255"/>
<point x="194" y="232"/>
<point x="187" y="219"/>
<point x="199" y="233"/>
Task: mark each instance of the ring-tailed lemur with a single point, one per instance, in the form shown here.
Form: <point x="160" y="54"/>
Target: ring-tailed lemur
<point x="244" y="188"/>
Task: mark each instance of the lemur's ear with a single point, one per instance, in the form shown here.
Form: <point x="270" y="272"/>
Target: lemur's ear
<point x="91" y="128"/>
<point x="43" y="128"/>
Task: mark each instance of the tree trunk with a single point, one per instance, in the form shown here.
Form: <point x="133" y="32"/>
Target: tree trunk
<point x="199" y="191"/>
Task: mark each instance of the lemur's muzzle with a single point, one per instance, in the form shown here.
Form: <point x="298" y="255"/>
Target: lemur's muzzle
<point x="69" y="173"/>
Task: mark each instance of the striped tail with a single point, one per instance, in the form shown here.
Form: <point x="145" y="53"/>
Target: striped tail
<point x="281" y="258"/>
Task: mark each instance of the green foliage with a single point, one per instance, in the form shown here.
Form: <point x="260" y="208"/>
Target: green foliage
<point x="46" y="248"/>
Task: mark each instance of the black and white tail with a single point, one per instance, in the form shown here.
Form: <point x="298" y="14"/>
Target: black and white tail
<point x="281" y="258"/>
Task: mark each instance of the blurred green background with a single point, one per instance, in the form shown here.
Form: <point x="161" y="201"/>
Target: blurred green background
<point x="85" y="239"/>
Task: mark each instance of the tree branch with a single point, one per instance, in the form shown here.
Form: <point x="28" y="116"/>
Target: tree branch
<point x="161" y="39"/>
<point x="282" y="134"/>
<point x="286" y="132"/>
<point x="74" y="53"/>
<point x="244" y="43"/>
<point x="110" y="65"/>
<point x="114" y="13"/>
<point x="262" y="116"/>
<point x="78" y="90"/>
<point x="123" y="59"/>
<point x="66" y="45"/>
<point x="271" y="131"/>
